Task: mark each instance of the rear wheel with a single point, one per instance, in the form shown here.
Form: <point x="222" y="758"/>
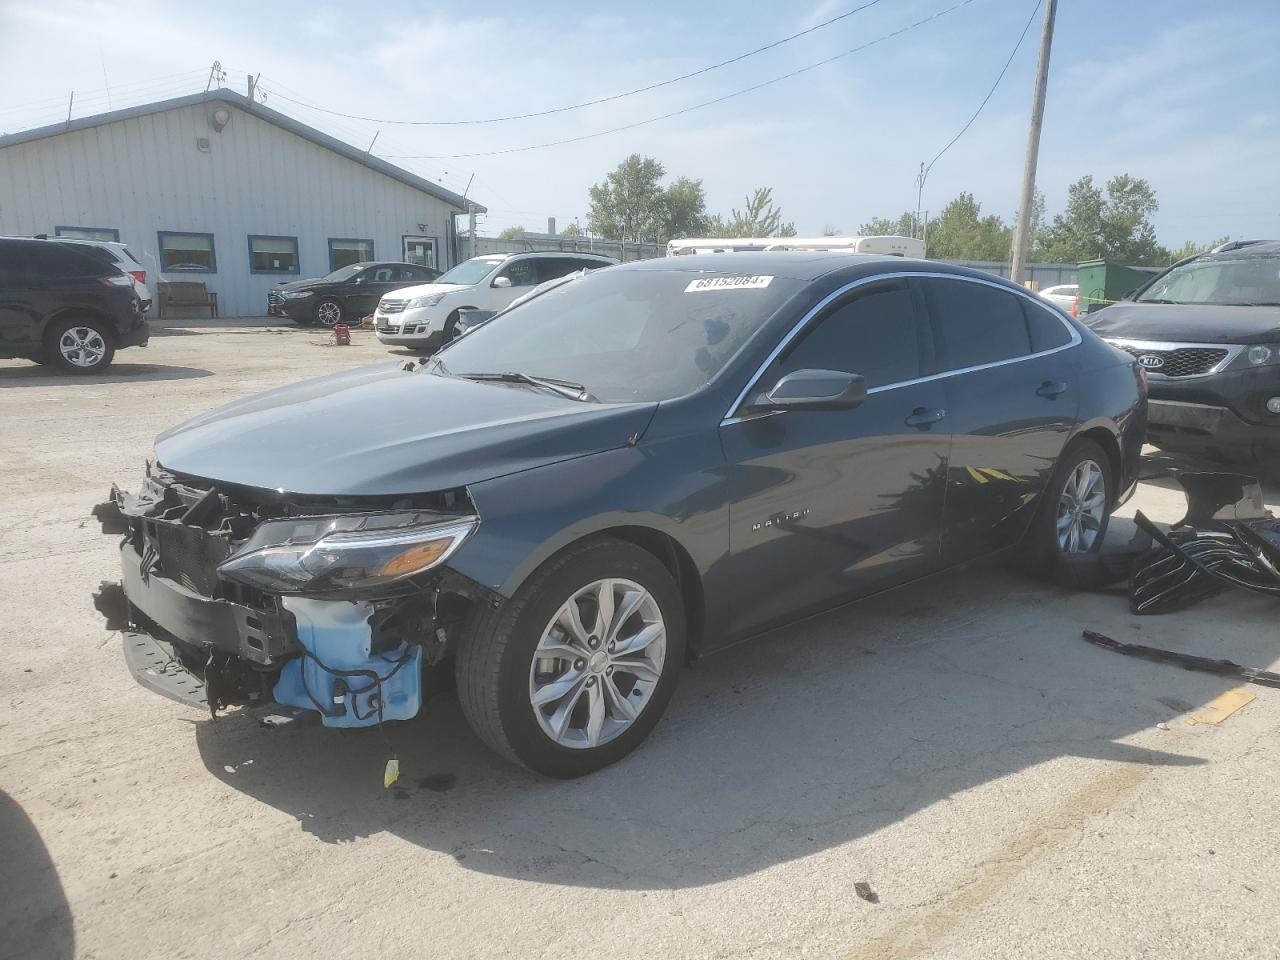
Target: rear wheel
<point x="577" y="668"/>
<point x="79" y="345"/>
<point x="1076" y="505"/>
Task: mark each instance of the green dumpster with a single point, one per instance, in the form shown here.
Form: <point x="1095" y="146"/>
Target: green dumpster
<point x="1102" y="282"/>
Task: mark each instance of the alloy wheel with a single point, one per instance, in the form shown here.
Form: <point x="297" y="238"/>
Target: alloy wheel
<point x="1081" y="508"/>
<point x="597" y="663"/>
<point x="329" y="313"/>
<point x="82" y="347"/>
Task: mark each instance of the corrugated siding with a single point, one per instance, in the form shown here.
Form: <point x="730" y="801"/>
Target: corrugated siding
<point x="145" y="174"/>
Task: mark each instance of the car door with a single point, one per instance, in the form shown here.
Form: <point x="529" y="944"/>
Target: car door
<point x="365" y="289"/>
<point x="829" y="505"/>
<point x="522" y="275"/>
<point x="1011" y="398"/>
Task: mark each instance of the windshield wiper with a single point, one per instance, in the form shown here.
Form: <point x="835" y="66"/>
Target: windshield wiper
<point x="1156" y="300"/>
<point x="566" y="388"/>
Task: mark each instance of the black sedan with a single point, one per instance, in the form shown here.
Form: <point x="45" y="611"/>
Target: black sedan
<point x="346" y="294"/>
<point x="650" y="462"/>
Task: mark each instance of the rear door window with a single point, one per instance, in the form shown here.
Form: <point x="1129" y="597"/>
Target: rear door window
<point x="552" y="268"/>
<point x="975" y="324"/>
<point x="1044" y="327"/>
<point x="874" y="333"/>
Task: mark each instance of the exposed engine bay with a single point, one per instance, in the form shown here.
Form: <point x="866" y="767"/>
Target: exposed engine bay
<point x="243" y="596"/>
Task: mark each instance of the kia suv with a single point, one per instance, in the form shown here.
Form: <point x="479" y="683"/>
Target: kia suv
<point x="1207" y="332"/>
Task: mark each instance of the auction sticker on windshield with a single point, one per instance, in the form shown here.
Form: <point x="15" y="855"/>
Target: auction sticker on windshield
<point x="728" y="283"/>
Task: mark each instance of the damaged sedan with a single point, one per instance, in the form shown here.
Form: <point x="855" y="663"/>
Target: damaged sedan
<point x="628" y="471"/>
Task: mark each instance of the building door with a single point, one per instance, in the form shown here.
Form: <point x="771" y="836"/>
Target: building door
<point x="420" y="250"/>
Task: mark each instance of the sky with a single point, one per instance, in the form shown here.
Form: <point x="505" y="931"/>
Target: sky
<point x="1181" y="93"/>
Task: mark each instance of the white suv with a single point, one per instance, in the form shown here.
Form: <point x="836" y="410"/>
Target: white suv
<point x="125" y="262"/>
<point x="425" y="316"/>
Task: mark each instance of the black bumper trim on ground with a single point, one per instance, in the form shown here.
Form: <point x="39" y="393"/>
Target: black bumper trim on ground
<point x="198" y="621"/>
<point x="153" y="665"/>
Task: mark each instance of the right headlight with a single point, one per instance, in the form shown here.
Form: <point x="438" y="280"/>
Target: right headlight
<point x="362" y="553"/>
<point x="430" y="301"/>
<point x="1259" y="355"/>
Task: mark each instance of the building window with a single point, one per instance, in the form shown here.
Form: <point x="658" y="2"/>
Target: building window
<point x="273" y="254"/>
<point x="187" y="253"/>
<point x="108" y="234"/>
<point x="344" y="251"/>
<point x="420" y="250"/>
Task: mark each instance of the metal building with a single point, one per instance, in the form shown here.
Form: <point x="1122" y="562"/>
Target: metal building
<point x="218" y="188"/>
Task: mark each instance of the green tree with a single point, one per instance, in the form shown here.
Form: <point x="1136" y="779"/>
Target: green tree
<point x="511" y="233"/>
<point x="759" y="217"/>
<point x="631" y="203"/>
<point x="1192" y="249"/>
<point x="572" y="230"/>
<point x="904" y="226"/>
<point x="1116" y="226"/>
<point x="960" y="233"/>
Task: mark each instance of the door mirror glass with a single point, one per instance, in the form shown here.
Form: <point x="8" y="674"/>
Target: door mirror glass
<point x="360" y="279"/>
<point x="814" y="390"/>
<point x="502" y="281"/>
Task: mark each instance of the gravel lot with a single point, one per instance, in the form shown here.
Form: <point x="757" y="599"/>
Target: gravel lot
<point x="1005" y="789"/>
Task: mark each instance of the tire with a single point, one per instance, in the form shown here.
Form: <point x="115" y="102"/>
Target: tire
<point x="450" y="331"/>
<point x="328" y="312"/>
<point x="498" y="679"/>
<point x="80" y="345"/>
<point x="1044" y="546"/>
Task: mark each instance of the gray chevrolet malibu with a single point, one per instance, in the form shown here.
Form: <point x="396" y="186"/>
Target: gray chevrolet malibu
<point x="632" y="469"/>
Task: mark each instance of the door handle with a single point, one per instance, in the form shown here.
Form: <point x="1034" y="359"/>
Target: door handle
<point x="1051" y="389"/>
<point x="922" y="417"/>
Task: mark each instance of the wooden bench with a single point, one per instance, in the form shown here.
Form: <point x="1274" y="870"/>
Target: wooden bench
<point x="188" y="293"/>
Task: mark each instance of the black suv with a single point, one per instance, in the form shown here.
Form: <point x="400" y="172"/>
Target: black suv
<point x="1207" y="331"/>
<point x="65" y="304"/>
<point x="349" y="293"/>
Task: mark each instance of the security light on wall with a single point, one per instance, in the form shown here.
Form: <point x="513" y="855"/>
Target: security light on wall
<point x="220" y="118"/>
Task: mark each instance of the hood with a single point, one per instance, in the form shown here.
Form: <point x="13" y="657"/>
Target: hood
<point x="383" y="430"/>
<point x="309" y="284"/>
<point x="424" y="290"/>
<point x="1187" y="322"/>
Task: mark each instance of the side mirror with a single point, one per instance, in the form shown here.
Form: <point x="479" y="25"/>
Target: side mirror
<point x="358" y="280"/>
<point x="814" y="390"/>
<point x="502" y="281"/>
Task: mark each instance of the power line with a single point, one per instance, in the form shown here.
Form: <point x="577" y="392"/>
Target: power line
<point x="689" y="109"/>
<point x="591" y="103"/>
<point x="1003" y="70"/>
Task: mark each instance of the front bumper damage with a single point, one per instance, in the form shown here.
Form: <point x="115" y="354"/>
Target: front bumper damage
<point x="195" y="636"/>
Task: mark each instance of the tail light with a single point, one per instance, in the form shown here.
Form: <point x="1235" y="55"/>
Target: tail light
<point x="116" y="280"/>
<point x="139" y="275"/>
<point x="1075" y="306"/>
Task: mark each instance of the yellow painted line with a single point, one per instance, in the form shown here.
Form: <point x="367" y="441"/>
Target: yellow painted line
<point x="1222" y="706"/>
<point x="977" y="476"/>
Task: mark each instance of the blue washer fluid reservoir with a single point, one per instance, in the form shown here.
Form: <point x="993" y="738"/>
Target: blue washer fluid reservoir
<point x="336" y="633"/>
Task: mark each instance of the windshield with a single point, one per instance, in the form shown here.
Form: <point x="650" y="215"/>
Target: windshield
<point x="469" y="272"/>
<point x="1248" y="281"/>
<point x="625" y="335"/>
<point x="344" y="273"/>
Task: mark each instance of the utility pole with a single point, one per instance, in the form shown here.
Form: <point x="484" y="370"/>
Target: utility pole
<point x="471" y="228"/>
<point x="251" y="87"/>
<point x="1022" y="231"/>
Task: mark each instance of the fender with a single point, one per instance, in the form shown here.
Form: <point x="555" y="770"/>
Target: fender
<point x="526" y="517"/>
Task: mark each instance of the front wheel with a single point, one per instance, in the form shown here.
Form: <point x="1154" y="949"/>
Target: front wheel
<point x="328" y="312"/>
<point x="576" y="669"/>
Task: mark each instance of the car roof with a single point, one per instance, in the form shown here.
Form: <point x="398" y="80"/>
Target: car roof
<point x="1260" y="249"/>
<point x="575" y="254"/>
<point x="796" y="264"/>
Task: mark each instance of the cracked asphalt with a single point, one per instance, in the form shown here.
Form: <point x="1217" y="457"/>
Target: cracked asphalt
<point x="1004" y="788"/>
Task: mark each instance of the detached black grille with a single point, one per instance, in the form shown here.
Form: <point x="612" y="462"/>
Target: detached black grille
<point x="1180" y="362"/>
